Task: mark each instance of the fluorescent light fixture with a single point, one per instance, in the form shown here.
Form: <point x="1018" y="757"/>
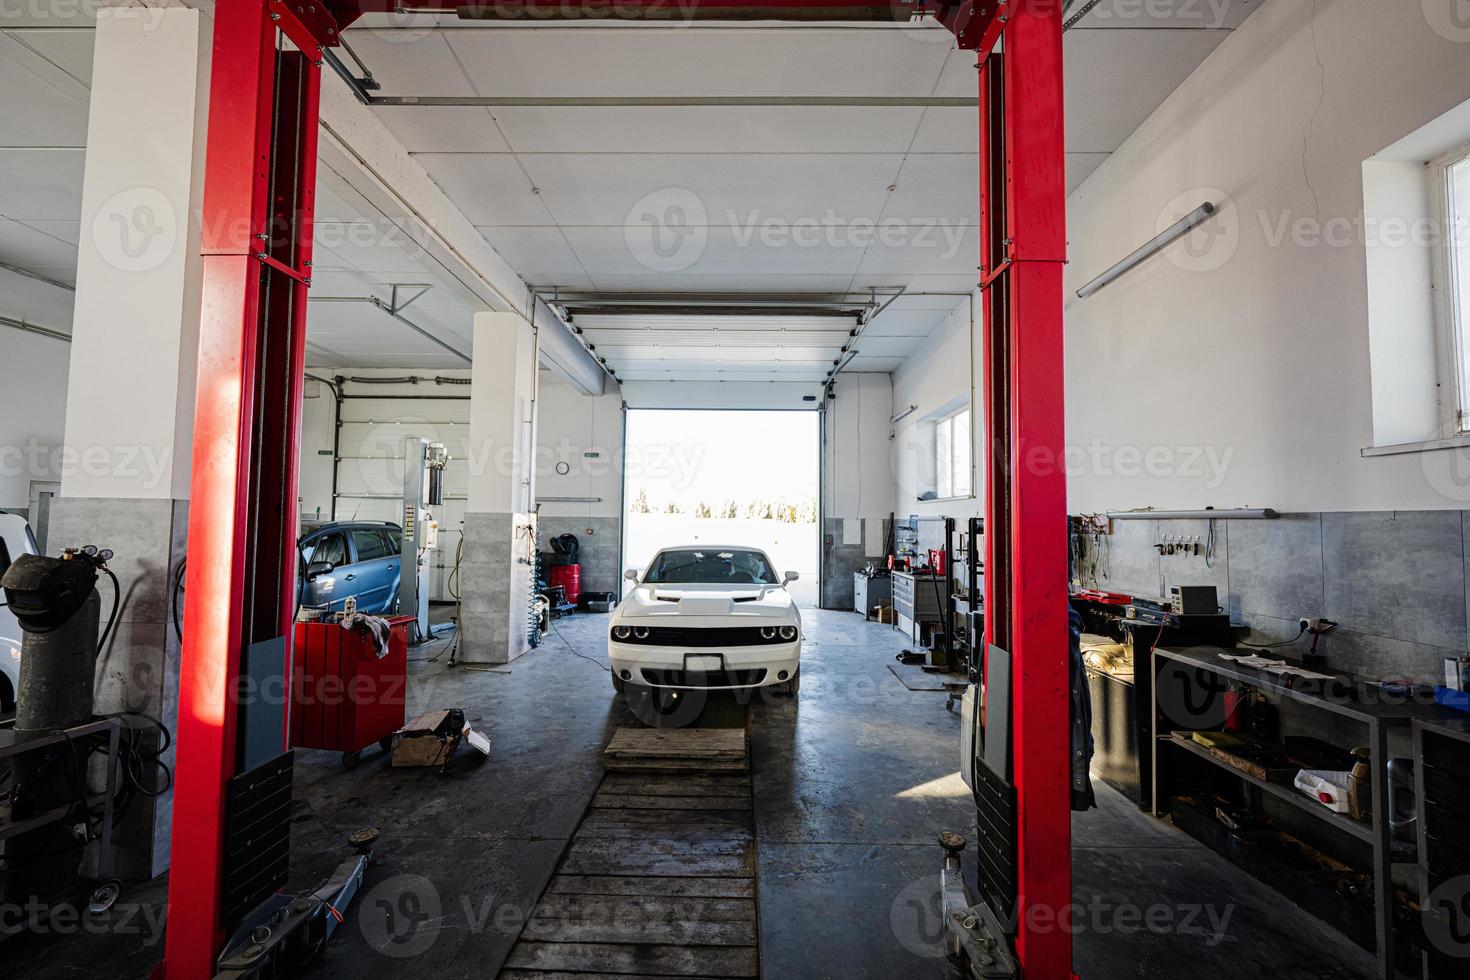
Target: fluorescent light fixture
<point x="1174" y="232"/>
<point x="1229" y="514"/>
<point x="904" y="414"/>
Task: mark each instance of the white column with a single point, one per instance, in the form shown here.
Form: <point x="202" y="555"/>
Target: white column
<point x="135" y="330"/>
<point x="500" y="523"/>
<point x="130" y="390"/>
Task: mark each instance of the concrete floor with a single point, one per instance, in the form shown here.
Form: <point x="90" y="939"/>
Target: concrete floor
<point x="852" y="784"/>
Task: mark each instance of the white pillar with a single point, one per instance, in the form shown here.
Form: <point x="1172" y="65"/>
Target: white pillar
<point x="130" y="390"/>
<point x="135" y="330"/>
<point x="499" y="523"/>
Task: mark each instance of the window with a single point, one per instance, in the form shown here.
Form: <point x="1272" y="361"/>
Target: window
<point x="330" y="548"/>
<point x="1455" y="270"/>
<point x="952" y="455"/>
<point x="691" y="567"/>
<point x="370" y="545"/>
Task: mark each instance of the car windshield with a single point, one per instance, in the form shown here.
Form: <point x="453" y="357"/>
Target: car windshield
<point x="691" y="566"/>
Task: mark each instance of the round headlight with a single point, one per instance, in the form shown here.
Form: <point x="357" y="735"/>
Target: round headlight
<point x="640" y="632"/>
<point x="768" y="632"/>
<point x="621" y="632"/>
<point x="788" y="632"/>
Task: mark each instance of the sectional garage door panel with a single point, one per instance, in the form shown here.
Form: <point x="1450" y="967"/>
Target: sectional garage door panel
<point x="370" y="466"/>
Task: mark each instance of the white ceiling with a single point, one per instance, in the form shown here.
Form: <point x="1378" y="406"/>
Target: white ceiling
<point x="556" y="190"/>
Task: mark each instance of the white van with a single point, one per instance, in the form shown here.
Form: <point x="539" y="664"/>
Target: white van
<point x="15" y="540"/>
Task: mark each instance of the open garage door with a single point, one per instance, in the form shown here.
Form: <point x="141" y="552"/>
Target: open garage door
<point x="725" y="478"/>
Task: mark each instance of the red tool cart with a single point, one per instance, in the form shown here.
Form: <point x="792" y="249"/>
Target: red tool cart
<point x="343" y="696"/>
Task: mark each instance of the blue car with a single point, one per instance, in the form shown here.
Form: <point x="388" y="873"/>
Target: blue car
<point x="352" y="558"/>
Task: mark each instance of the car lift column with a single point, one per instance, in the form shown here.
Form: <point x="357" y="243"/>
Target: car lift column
<point x="241" y="579"/>
<point x="1023" y="235"/>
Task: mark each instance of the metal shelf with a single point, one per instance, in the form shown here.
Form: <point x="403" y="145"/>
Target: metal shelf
<point x="1288" y="794"/>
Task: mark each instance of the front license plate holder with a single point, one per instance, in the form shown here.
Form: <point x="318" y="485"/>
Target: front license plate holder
<point x="704" y="663"/>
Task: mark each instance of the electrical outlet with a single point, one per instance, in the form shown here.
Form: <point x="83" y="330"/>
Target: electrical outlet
<point x="1303" y="624"/>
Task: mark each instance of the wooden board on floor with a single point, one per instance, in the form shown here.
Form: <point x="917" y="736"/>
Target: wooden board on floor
<point x="684" y="744"/>
<point x="646" y="784"/>
<point x="641" y="764"/>
<point x="660" y="961"/>
<point x="617" y="801"/>
<point x="658" y="858"/>
<point x="674" y="887"/>
<point x="658" y="882"/>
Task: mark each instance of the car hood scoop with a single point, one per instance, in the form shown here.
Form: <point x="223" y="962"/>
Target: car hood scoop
<point x="673" y="601"/>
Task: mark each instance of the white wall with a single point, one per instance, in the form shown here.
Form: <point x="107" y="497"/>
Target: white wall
<point x="857" y="473"/>
<point x="937" y="378"/>
<point x="1257" y="353"/>
<point x="33" y="413"/>
<point x="569" y="425"/>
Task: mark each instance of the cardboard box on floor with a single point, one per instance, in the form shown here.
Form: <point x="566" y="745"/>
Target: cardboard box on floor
<point x="428" y="740"/>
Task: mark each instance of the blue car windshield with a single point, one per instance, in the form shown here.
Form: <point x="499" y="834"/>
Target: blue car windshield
<point x="690" y="566"/>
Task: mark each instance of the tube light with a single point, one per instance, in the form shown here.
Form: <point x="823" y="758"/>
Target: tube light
<point x="1235" y="513"/>
<point x="1174" y="232"/>
<point x="904" y="414"/>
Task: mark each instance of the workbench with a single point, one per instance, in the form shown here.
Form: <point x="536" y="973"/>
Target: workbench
<point x="1193" y="682"/>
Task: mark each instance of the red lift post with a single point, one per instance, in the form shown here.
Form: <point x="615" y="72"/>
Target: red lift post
<point x="241" y="576"/>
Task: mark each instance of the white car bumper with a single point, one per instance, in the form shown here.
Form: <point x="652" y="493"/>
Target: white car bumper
<point x="729" y="668"/>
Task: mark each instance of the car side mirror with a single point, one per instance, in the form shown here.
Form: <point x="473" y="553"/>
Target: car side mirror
<point x="631" y="574"/>
<point x="789" y="577"/>
<point x="319" y="568"/>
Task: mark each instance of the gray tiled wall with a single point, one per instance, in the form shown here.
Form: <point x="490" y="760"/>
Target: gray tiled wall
<point x="600" y="548"/>
<point x="138" y="669"/>
<point x="1394" y="581"/>
<point x="840" y="561"/>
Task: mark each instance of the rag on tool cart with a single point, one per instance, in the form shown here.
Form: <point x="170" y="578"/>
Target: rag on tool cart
<point x="375" y="626"/>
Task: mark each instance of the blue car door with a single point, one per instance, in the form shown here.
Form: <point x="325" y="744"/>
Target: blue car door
<point x="329" y="590"/>
<point x="376" y="570"/>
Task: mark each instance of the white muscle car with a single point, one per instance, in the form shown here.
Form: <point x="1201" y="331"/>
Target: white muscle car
<point x="710" y="617"/>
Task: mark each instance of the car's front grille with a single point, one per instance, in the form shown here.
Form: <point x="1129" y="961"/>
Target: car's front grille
<point x="704" y="678"/>
<point x="698" y="637"/>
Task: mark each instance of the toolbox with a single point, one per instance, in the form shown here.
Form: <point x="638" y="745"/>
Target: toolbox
<point x="344" y="697"/>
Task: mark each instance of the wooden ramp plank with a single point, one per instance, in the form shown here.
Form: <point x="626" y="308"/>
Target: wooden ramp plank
<point x="563" y="975"/>
<point x="634" y="834"/>
<point x="658" y="908"/>
<point x="648" y="764"/>
<point x="660" y="961"/>
<point x="565" y="884"/>
<point x="732" y="859"/>
<point x="678" y="743"/>
<point x="710" y="821"/>
<point x="618" y="801"/>
<point x="636" y="784"/>
<point x="675" y="932"/>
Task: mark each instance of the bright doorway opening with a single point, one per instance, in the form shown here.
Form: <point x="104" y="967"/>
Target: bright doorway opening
<point x="724" y="478"/>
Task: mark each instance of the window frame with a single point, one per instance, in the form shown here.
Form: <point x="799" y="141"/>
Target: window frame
<point x="946" y="422"/>
<point x="1452" y="324"/>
